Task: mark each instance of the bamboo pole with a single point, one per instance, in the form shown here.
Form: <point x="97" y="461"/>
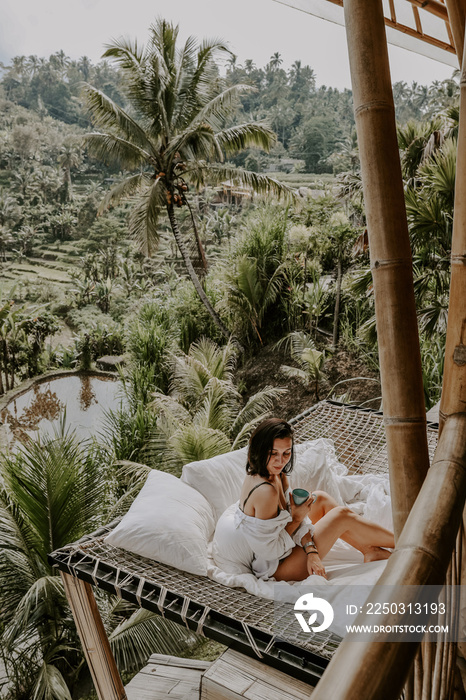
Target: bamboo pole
<point x="454" y="378"/>
<point x="453" y="398"/>
<point x="94" y="639"/>
<point x="390" y="253"/>
<point x="375" y="671"/>
<point x="457" y="16"/>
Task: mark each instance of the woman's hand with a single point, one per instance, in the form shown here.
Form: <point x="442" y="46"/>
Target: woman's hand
<point x="315" y="566"/>
<point x="298" y="513"/>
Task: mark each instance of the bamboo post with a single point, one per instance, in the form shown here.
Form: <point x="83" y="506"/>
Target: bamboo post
<point x="457" y="16"/>
<point x="375" y="671"/>
<point x="390" y="254"/>
<point x="94" y="639"/>
<point x="454" y="377"/>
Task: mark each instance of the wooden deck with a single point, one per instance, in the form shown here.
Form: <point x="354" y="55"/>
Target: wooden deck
<point x="231" y="677"/>
<point x="167" y="678"/>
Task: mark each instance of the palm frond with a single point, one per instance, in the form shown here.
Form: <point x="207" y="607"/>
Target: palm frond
<point x="195" y="91"/>
<point x="296" y="343"/>
<point x="438" y="173"/>
<point x="220" y="105"/>
<point x="115" y="150"/>
<point x="50" y="684"/>
<point x="215" y="173"/>
<point x="143" y="634"/>
<point x="196" y="142"/>
<point x="294" y="373"/>
<point x="144" y="218"/>
<point x="108" y="115"/>
<point x="42" y="600"/>
<point x="193" y="443"/>
<point x="219" y="360"/>
<point x="55" y="486"/>
<point x="126" y="53"/>
<point x="125" y="189"/>
<point x="257" y="408"/>
<point x="242" y="136"/>
<point x="217" y="405"/>
<point x="433" y="319"/>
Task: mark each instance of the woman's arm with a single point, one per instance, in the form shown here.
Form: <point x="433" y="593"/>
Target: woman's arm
<point x="265" y="503"/>
<point x="314" y="562"/>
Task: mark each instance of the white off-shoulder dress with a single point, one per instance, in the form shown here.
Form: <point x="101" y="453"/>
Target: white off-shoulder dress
<point x="243" y="543"/>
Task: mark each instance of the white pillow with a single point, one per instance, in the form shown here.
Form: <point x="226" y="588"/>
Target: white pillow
<point x="317" y="468"/>
<point x="168" y="521"/>
<point x="219" y="479"/>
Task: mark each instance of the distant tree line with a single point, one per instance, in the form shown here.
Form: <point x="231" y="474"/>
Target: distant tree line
<point x="311" y="122"/>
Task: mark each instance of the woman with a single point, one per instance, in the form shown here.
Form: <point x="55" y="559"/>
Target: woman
<point x="267" y="533"/>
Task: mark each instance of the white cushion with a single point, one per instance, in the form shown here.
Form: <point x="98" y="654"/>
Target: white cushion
<point x="219" y="479"/>
<point x="317" y="468"/>
<point x="168" y="521"/>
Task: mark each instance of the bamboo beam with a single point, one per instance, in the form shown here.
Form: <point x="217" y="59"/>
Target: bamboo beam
<point x="393" y="24"/>
<point x="376" y="671"/>
<point x="454" y="376"/>
<point x="390" y="253"/>
<point x="422" y="37"/>
<point x="433" y="6"/>
<point x="94" y="639"/>
<point x="457" y="16"/>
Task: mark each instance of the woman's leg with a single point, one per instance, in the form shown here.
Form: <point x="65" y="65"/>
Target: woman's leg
<point x="323" y="504"/>
<point x="294" y="567"/>
<point x="337" y="522"/>
<point x="366" y="536"/>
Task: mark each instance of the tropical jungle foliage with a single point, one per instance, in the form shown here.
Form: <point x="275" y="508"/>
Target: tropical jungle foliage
<point x="142" y="215"/>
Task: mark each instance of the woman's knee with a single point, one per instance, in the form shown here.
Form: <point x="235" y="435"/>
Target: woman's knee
<point x="324" y="500"/>
<point x="344" y="513"/>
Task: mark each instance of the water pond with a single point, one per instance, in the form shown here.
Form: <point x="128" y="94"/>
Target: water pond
<point x="84" y="397"/>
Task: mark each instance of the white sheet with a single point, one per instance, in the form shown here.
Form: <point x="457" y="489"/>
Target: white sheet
<point x="368" y="495"/>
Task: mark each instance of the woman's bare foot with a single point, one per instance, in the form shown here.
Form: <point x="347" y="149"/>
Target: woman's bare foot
<point x="376" y="554"/>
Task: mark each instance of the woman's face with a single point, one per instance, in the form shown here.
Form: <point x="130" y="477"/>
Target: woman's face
<point x="280" y="455"/>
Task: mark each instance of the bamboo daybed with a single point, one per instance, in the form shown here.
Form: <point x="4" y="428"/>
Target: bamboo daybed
<point x="253" y="626"/>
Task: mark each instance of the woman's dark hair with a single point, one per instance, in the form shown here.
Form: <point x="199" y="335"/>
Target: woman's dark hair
<point x="261" y="445"/>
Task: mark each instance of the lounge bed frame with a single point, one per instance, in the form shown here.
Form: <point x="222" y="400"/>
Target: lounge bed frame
<point x="250" y="625"/>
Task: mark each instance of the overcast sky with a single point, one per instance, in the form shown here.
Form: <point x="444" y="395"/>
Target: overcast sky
<point x="253" y="28"/>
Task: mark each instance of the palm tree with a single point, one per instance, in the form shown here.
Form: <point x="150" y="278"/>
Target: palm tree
<point x="275" y="61"/>
<point x="251" y="292"/>
<point x="310" y="360"/>
<point x="69" y="157"/>
<point x="204" y="416"/>
<point x="52" y="492"/>
<point x="173" y="135"/>
<point x="256" y="274"/>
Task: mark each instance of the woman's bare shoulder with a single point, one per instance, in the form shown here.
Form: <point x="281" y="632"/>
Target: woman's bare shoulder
<point x="266" y="502"/>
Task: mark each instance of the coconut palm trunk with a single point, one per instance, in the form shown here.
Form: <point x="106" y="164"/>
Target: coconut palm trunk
<point x="336" y="315"/>
<point x="192" y="273"/>
<point x="200" y="247"/>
